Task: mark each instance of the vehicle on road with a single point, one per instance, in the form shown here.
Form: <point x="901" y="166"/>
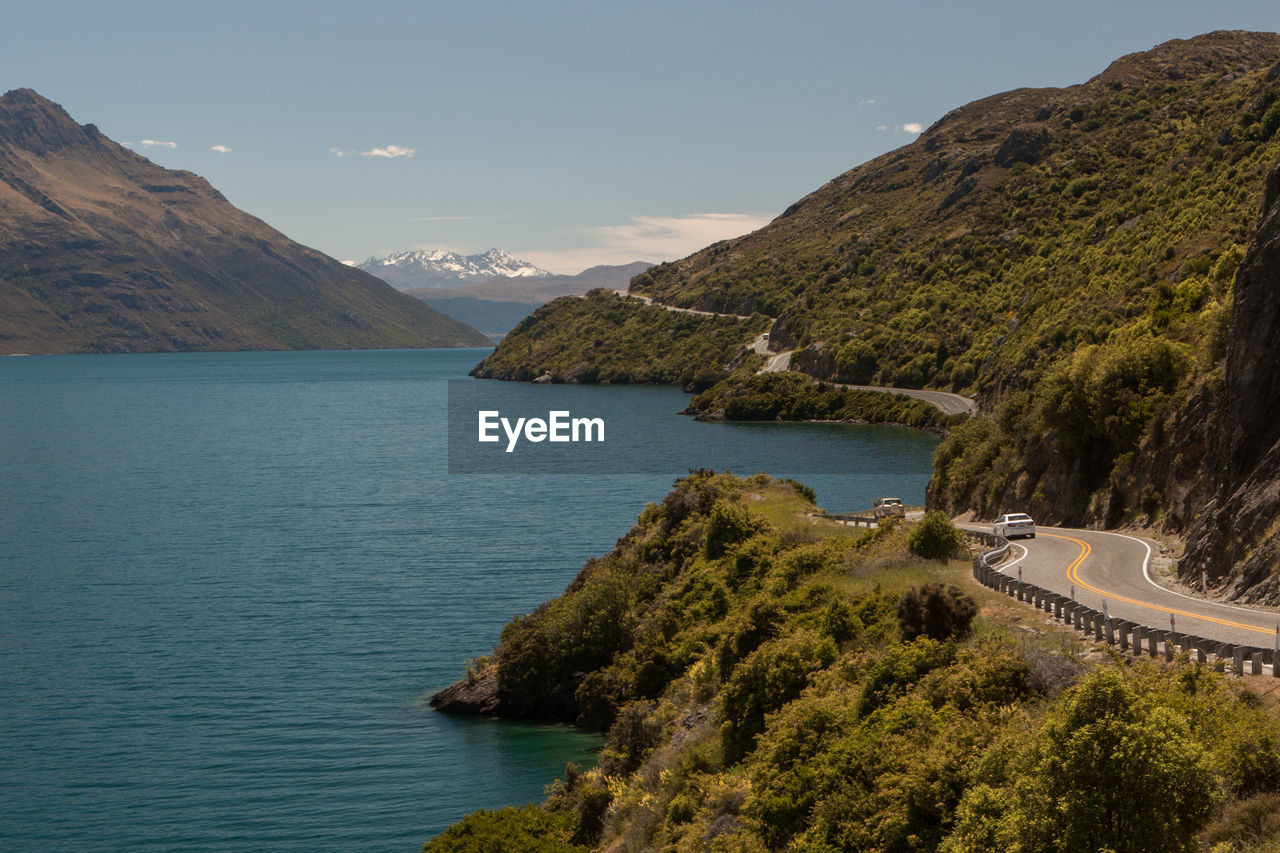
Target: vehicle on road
<point x="1015" y="525"/>
<point x="886" y="507"/>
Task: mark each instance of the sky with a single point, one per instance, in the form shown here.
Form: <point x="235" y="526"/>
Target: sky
<point x="567" y="133"/>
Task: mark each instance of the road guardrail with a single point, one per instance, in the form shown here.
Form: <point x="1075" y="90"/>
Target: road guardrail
<point x="1128" y="635"/>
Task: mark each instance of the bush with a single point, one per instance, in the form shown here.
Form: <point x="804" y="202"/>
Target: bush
<point x="935" y="538"/>
<point x="767" y="679"/>
<point x="1108" y="771"/>
<point x="892" y="675"/>
<point x="935" y="611"/>
<point x="727" y="526"/>
<point x="511" y="830"/>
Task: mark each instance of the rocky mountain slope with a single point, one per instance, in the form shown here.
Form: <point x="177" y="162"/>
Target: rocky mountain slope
<point x="1233" y="507"/>
<point x="102" y="250"/>
<point x="1069" y="256"/>
<point x="435" y="268"/>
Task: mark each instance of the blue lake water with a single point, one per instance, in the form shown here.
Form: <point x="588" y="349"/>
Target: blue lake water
<point x="228" y="581"/>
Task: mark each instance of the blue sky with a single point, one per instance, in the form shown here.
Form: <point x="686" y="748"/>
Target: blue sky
<point x="568" y="133"/>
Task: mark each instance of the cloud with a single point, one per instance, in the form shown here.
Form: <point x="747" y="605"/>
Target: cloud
<point x="866" y="102"/>
<point x="221" y="149"/>
<point x="646" y="238"/>
<point x="385" y="151"/>
<point x="155" y="143"/>
<point x="910" y="127"/>
<point x="389" y="151"/>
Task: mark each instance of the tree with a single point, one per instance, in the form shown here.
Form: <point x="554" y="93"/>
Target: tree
<point x="1109" y="770"/>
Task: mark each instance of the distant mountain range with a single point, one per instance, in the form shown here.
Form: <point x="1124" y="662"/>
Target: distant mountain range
<point x="492" y="291"/>
<point x="102" y="250"/>
<point x="496" y="305"/>
<point x="437" y="269"/>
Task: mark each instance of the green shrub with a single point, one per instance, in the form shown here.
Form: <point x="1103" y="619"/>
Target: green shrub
<point x="899" y="669"/>
<point x="935" y="537"/>
<point x="1109" y="770"/>
<point x="527" y="829"/>
<point x="935" y="611"/>
<point x="727" y="526"/>
<point x="766" y="680"/>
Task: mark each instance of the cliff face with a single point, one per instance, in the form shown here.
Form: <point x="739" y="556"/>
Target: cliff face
<point x="102" y="250"/>
<point x="1235" y="531"/>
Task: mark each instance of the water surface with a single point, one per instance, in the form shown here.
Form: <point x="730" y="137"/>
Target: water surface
<point x="229" y="579"/>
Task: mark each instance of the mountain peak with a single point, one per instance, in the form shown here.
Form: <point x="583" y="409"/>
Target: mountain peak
<point x="102" y="250"/>
<point x="36" y="124"/>
<point x="1225" y="52"/>
<point x="439" y="268"/>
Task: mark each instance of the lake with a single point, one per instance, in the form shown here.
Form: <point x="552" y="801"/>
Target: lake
<point x="229" y="581"/>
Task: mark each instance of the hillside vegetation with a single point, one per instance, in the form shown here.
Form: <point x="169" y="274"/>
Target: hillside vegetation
<point x="1066" y="255"/>
<point x="603" y="337"/>
<point x="769" y="680"/>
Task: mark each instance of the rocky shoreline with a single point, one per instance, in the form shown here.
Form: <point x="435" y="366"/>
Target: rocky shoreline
<point x="472" y="696"/>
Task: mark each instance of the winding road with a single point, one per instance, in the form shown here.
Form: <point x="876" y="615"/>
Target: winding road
<point x="948" y="403"/>
<point x="1114" y="569"/>
<point x="780" y="362"/>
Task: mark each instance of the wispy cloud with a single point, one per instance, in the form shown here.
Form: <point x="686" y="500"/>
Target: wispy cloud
<point x="910" y="127"/>
<point x="155" y="143"/>
<point x="221" y="149"/>
<point x="865" y="102"/>
<point x="389" y="151"/>
<point x="646" y="238"/>
<point x="385" y="151"/>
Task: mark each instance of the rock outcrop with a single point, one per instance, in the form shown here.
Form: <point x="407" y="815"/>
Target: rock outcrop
<point x="471" y="696"/>
<point x="1236" y="534"/>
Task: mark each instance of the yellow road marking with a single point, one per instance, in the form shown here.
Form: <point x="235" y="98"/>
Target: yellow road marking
<point x="1073" y="575"/>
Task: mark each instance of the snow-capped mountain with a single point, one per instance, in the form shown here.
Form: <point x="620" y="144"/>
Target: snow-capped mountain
<point x="439" y="269"/>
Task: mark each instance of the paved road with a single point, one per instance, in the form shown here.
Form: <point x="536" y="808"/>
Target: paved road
<point x="1115" y="569"/>
<point x="780" y="362"/>
<point x="950" y="404"/>
<point x="648" y="300"/>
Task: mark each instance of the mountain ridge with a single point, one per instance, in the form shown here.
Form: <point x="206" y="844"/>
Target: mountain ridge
<point x="441" y="269"/>
<point x="102" y="250"/>
<point x="1066" y="255"/>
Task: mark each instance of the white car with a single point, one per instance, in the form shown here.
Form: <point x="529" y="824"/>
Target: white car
<point x="1015" y="525"/>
